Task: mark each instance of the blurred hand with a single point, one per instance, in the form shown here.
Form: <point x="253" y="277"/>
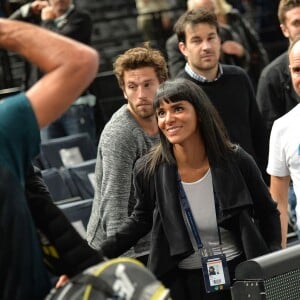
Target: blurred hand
<point x="37" y="6"/>
<point x="48" y="13"/>
<point x="63" y="279"/>
<point x="233" y="48"/>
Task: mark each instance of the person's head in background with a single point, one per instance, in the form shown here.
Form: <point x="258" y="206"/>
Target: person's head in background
<point x="199" y="41"/>
<point x="206" y="4"/>
<point x="294" y="60"/>
<point x="139" y="72"/>
<point x="222" y="7"/>
<point x="219" y="7"/>
<point x="289" y="18"/>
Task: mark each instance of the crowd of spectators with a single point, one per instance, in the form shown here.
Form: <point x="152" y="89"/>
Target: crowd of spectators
<point x="220" y="122"/>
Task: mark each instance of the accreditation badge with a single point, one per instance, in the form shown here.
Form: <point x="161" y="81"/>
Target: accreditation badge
<point x="215" y="273"/>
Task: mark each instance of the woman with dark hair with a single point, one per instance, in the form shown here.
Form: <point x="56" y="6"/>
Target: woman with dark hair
<point x="203" y="197"/>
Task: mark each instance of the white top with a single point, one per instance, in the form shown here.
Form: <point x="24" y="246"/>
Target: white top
<point x="201" y="200"/>
<point x="284" y="151"/>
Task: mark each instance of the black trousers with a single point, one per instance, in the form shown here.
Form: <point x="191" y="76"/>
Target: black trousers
<point x="189" y="284"/>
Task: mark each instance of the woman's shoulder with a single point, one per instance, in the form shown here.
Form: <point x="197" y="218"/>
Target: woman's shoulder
<point x="142" y="164"/>
<point x="149" y="164"/>
<point x="244" y="160"/>
<point x="239" y="151"/>
<point x="141" y="161"/>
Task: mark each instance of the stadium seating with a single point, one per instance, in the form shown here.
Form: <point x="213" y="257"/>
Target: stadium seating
<point x="67" y="151"/>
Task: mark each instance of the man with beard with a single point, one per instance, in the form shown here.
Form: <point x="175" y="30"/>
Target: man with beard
<point x="228" y="87"/>
<point x="232" y="50"/>
<point x="129" y="134"/>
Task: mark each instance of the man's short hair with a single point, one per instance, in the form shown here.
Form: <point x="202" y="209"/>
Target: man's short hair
<point x="140" y="57"/>
<point x="284" y="7"/>
<point x="194" y="17"/>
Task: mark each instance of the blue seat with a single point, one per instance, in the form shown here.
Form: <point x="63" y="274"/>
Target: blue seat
<point x="57" y="186"/>
<point x="67" y="151"/>
<point x="78" y="213"/>
<point x="82" y="176"/>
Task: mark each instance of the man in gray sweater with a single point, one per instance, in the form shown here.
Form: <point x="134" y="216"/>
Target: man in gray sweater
<point x="129" y="134"/>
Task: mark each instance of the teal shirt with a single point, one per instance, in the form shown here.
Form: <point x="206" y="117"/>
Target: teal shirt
<point x="19" y="135"/>
<point x="23" y="274"/>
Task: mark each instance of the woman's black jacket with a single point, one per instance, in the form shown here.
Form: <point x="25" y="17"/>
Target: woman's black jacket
<point x="243" y="203"/>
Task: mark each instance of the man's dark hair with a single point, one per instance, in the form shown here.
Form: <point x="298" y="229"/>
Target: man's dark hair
<point x="194" y="17"/>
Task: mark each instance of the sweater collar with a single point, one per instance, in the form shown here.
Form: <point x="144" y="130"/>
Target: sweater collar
<point x="201" y="78"/>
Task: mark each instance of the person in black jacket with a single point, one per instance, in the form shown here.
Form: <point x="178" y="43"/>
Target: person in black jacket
<point x="275" y="93"/>
<point x="250" y="39"/>
<point x="201" y="195"/>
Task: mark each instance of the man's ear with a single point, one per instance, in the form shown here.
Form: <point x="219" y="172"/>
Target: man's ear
<point x="124" y="94"/>
<point x="285" y="31"/>
<point x="182" y="48"/>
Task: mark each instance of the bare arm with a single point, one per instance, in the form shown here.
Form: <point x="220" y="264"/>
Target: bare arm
<point x="279" y="191"/>
<point x="69" y="66"/>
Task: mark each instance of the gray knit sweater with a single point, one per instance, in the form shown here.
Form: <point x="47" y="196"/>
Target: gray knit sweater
<point x="121" y="143"/>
